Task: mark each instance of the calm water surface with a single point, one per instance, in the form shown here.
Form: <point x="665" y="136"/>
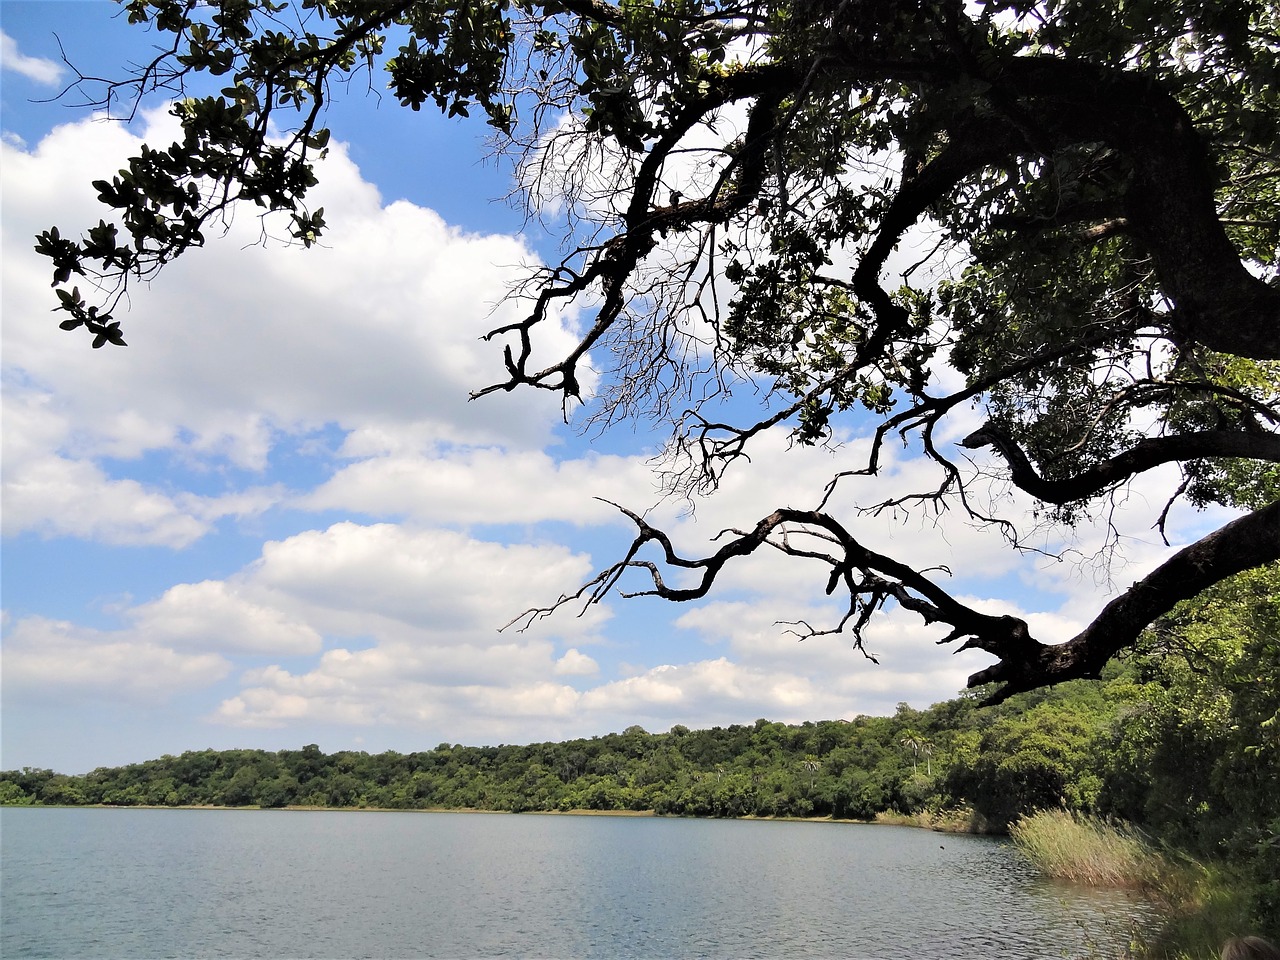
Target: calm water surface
<point x="221" y="883"/>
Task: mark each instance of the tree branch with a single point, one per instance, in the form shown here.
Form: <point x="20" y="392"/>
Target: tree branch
<point x="1143" y="456"/>
<point x="872" y="580"/>
<point x="1247" y="542"/>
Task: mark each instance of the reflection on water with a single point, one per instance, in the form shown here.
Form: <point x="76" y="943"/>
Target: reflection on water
<point x="151" y="883"/>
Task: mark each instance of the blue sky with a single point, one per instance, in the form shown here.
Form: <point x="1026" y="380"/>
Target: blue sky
<point x="275" y="519"/>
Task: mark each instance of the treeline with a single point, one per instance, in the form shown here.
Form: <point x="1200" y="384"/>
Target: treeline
<point x="854" y="769"/>
<point x="1111" y="748"/>
<point x="1181" y="738"/>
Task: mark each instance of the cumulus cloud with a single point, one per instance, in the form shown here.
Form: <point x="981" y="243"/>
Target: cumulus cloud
<point x="432" y="581"/>
<point x="212" y="615"/>
<point x="576" y="664"/>
<point x="911" y="666"/>
<point x="428" y="603"/>
<point x="520" y="487"/>
<point x="50" y="491"/>
<point x="237" y="346"/>
<point x="711" y="689"/>
<point x="54" y="659"/>
<point x="37" y="69"/>
<point x="421" y="605"/>
<point x="424" y="606"/>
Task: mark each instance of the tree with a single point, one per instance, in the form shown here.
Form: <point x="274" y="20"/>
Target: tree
<point x="811" y="765"/>
<point x="911" y="740"/>
<point x="926" y="749"/>
<point x="1103" y="177"/>
<point x="1199" y="763"/>
<point x="1037" y="760"/>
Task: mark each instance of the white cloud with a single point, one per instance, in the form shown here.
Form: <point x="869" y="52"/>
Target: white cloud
<point x="354" y="579"/>
<point x="236" y="348"/>
<point x="576" y="664"/>
<point x="780" y="474"/>
<point x="59" y="660"/>
<point x="911" y="665"/>
<point x="51" y="494"/>
<point x="234" y="344"/>
<point x="58" y="497"/>
<point x="710" y="688"/>
<point x="37" y="69"/>
<point x="212" y="615"/>
<point x="424" y="605"/>
<point x="517" y="487"/>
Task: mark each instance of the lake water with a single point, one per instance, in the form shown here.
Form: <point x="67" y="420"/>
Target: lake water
<point x="224" y="883"/>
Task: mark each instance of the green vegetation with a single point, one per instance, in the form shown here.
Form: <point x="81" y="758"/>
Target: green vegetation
<point x="1202" y="905"/>
<point x="1085" y="849"/>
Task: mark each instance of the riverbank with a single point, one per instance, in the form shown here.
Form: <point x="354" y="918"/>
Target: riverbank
<point x="953" y="821"/>
<point x="1201" y="905"/>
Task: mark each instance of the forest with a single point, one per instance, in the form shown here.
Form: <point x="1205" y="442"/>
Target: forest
<point x="1180" y="738"/>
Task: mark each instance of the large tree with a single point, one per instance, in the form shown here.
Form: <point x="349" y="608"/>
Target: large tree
<point x="1099" y="182"/>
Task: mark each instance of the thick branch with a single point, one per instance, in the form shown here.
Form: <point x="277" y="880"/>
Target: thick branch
<point x="1144" y="455"/>
<point x="1169" y="203"/>
<point x="1247" y="542"/>
<point x="872" y="579"/>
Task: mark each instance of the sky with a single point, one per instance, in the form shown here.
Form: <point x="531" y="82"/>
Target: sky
<point x="275" y="518"/>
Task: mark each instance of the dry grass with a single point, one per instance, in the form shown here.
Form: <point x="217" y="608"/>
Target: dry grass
<point x="1088" y="850"/>
<point x="952" y="820"/>
<point x="1201" y="905"/>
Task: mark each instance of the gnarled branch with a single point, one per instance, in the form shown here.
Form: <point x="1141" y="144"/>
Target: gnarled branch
<point x="1144" y="455"/>
<point x="872" y="580"/>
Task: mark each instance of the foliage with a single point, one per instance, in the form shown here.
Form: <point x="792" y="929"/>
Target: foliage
<point x="1198" y="759"/>
<point x="1085" y="849"/>
<point x="1100" y="180"/>
<point x="852" y="769"/>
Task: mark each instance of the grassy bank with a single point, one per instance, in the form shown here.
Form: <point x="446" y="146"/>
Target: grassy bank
<point x="953" y="820"/>
<point x="1201" y="906"/>
<point x="1082" y="849"/>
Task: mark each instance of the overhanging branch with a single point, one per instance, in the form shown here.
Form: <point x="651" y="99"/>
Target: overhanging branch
<point x="1247" y="542"/>
<point x="872" y="580"/>
<point x="1143" y="456"/>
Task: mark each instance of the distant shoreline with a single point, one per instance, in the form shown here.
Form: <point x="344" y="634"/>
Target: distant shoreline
<point x="957" y="824"/>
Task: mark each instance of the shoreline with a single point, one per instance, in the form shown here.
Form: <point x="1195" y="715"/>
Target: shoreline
<point x="962" y="822"/>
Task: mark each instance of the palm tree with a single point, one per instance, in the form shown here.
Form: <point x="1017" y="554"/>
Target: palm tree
<point x="926" y="748"/>
<point x="912" y="741"/>
<point x="813" y="765"/>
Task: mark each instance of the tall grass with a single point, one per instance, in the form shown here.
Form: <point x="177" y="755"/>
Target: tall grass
<point x="951" y="820"/>
<point x="1083" y="849"/>
<point x="1211" y="906"/>
<point x="1200" y="905"/>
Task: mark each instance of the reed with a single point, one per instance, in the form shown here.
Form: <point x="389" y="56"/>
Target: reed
<point x="950" y="820"/>
<point x="1203" y="905"/>
<point x="1084" y="849"/>
<point x="1199" y="905"/>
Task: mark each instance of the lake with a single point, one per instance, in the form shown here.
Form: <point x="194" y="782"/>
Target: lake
<point x="234" y="883"/>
